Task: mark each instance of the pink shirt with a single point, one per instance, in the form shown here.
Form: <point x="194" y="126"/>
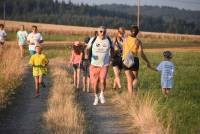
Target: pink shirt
<point x="76" y="58"/>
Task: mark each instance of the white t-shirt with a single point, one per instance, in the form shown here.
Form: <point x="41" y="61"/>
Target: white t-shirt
<point x="2" y="35"/>
<point x="34" y="39"/>
<point x="167" y="72"/>
<point x="100" y="51"/>
<point x="22" y="35"/>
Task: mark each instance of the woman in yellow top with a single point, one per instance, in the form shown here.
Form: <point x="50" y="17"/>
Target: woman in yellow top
<point x="134" y="45"/>
<point x="39" y="63"/>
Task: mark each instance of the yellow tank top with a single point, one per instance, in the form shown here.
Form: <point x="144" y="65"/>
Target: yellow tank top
<point x="130" y="45"/>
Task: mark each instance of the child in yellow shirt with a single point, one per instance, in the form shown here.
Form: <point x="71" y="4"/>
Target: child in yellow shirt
<point x="39" y="62"/>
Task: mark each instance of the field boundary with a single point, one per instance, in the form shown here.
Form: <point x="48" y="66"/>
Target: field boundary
<point x="66" y="29"/>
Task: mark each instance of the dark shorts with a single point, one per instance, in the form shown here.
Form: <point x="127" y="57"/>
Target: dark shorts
<point x="134" y="67"/>
<point x="2" y="43"/>
<point x="76" y="66"/>
<point x="86" y="68"/>
<point x="86" y="71"/>
<point x="117" y="62"/>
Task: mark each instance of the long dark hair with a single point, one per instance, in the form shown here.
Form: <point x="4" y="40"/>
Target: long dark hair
<point x="77" y="49"/>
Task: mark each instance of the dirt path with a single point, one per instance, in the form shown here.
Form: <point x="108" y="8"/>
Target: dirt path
<point x="24" y="115"/>
<point x="106" y="118"/>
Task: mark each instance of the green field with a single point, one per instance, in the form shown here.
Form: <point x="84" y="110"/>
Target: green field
<point x="182" y="108"/>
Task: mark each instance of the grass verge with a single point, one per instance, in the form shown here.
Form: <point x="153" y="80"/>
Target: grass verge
<point x="11" y="70"/>
<point x="63" y="115"/>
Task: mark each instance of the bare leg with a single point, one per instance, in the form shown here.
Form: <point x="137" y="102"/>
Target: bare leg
<point x="88" y="84"/>
<point x="117" y="77"/>
<point x="164" y="91"/>
<point x="95" y="84"/>
<point x="41" y="81"/>
<point x="167" y="92"/>
<point x="37" y="85"/>
<point x="84" y="83"/>
<point x="135" y="80"/>
<point x="129" y="79"/>
<point x="78" y="78"/>
<point x="75" y="79"/>
<point x="21" y="50"/>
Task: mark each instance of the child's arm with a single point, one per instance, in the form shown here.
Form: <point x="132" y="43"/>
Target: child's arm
<point x="152" y="68"/>
<point x="31" y="61"/>
<point x="72" y="57"/>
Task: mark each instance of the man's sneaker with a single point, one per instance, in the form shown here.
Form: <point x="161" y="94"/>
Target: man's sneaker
<point x="102" y="99"/>
<point x="96" y="100"/>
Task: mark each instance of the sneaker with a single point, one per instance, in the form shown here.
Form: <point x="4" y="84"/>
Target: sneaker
<point x="96" y="100"/>
<point x="102" y="99"/>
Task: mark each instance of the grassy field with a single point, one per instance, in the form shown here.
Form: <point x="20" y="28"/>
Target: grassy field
<point x="180" y="111"/>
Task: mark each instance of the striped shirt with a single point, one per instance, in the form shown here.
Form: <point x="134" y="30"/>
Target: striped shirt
<point x="167" y="71"/>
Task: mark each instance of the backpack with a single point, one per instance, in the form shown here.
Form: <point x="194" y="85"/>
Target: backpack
<point x="90" y="50"/>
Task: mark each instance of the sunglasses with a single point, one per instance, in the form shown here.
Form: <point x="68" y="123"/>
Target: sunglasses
<point x="102" y="31"/>
<point x="120" y="32"/>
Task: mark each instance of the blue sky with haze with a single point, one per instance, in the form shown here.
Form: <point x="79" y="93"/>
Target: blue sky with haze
<point x="186" y="4"/>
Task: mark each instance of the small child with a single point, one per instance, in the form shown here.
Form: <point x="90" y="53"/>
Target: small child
<point x="2" y="35"/>
<point x="166" y="68"/>
<point x="86" y="73"/>
<point x="76" y="60"/>
<point x="39" y="63"/>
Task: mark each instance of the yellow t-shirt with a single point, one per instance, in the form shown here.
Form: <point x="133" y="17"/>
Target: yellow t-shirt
<point x="129" y="45"/>
<point x="38" y="61"/>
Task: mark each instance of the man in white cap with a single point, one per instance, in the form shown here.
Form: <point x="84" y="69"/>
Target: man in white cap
<point x="101" y="49"/>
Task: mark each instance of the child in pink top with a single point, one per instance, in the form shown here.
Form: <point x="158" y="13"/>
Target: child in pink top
<point x="76" y="60"/>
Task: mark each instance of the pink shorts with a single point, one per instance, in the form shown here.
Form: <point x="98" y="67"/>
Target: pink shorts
<point x="98" y="73"/>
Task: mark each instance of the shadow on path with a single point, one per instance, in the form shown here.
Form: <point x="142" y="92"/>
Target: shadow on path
<point x="24" y="114"/>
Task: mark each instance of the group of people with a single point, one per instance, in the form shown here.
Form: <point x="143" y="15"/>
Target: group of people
<point x="38" y="60"/>
<point x="94" y="58"/>
<point x="122" y="53"/>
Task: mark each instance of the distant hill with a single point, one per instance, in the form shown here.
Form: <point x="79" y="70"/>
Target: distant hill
<point x="154" y="19"/>
<point x="156" y="11"/>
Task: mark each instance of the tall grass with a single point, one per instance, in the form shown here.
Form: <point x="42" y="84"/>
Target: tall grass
<point x="63" y="115"/>
<point x="11" y="70"/>
<point x="143" y="110"/>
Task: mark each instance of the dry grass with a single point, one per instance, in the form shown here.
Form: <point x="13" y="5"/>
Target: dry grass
<point x="11" y="69"/>
<point x="63" y="115"/>
<point x="63" y="29"/>
<point x="144" y="113"/>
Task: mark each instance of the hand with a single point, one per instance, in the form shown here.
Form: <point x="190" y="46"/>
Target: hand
<point x="149" y="65"/>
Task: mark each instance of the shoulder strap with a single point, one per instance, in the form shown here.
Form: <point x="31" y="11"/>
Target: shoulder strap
<point x="110" y="41"/>
<point x="95" y="37"/>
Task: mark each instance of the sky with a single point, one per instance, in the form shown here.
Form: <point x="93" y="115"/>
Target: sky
<point x="186" y="4"/>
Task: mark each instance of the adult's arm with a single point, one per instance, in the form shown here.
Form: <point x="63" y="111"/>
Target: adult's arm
<point x="87" y="49"/>
<point x="141" y="51"/>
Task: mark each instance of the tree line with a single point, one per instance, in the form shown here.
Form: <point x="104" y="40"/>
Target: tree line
<point x="55" y="12"/>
